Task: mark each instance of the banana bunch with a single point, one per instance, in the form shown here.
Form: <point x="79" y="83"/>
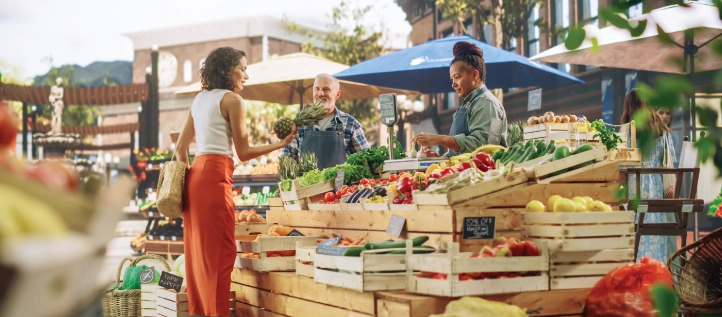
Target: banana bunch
<point x="22" y="215"/>
<point x="488" y="149"/>
<point x="461" y="158"/>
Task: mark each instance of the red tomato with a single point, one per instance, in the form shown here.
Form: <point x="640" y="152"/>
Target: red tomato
<point x="329" y="197"/>
<point x="340" y="193"/>
<point x="393" y="177"/>
<point x="439" y="276"/>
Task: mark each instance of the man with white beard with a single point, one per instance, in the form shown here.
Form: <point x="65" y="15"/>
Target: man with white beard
<point x="335" y="136"/>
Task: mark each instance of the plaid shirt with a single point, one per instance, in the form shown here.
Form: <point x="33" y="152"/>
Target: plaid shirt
<point x="353" y="135"/>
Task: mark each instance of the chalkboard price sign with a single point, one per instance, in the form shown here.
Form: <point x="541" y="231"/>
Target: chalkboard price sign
<point x="147" y="275"/>
<point x="396" y="225"/>
<point x="295" y="233"/>
<point x="479" y="228"/>
<point x="170" y="281"/>
<point x="328" y="247"/>
<point x="340" y="176"/>
<point x="535" y="97"/>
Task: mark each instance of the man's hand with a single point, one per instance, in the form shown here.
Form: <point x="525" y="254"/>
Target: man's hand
<point x="431" y="153"/>
<point x="291" y="136"/>
<point x="425" y="139"/>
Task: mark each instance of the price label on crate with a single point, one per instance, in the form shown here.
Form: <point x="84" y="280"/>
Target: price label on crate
<point x="687" y="207"/>
<point x="329" y="247"/>
<point x="150" y="214"/>
<point x="147" y="275"/>
<point x="396" y="225"/>
<point x="340" y="176"/>
<point x="173" y="238"/>
<point x="479" y="228"/>
<point x="170" y="281"/>
<point x="495" y="132"/>
<point x="295" y="233"/>
<point x="534" y="100"/>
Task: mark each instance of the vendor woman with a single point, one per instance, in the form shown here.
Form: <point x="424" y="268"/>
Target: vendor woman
<point x="473" y="120"/>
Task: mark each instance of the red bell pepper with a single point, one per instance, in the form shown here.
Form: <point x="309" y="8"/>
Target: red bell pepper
<point x="480" y="165"/>
<point x="485" y="158"/>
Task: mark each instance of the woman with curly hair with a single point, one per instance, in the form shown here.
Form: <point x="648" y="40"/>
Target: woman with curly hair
<point x="217" y="121"/>
<point x="472" y="122"/>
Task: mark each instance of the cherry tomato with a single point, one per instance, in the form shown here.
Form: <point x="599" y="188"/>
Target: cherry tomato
<point x="320" y="202"/>
<point x="340" y="193"/>
<point x="393" y="177"/>
<point x="329" y="197"/>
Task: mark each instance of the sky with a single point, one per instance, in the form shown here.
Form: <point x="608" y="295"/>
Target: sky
<point x="83" y="31"/>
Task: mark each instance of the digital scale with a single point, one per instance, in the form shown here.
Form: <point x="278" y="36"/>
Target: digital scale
<point x="389" y="117"/>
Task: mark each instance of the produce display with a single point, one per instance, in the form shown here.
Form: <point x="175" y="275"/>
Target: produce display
<point x="522" y="152"/>
<point x="549" y="117"/>
<point x="474" y="306"/>
<point x="374" y="157"/>
<point x="167" y="229"/>
<point x="248" y="216"/>
<point x="252" y="199"/>
<point x="356" y="246"/>
<point x="345" y="241"/>
<point x="557" y="203"/>
<point x="502" y="247"/>
<point x="308" y="116"/>
<point x="275" y="231"/>
<point x="138" y="240"/>
<point x="269" y="168"/>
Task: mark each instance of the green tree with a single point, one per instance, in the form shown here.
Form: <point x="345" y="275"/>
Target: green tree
<point x="73" y="115"/>
<point x="351" y="40"/>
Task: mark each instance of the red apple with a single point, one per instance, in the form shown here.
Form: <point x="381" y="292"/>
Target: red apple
<point x="439" y="276"/>
<point x="498" y="241"/>
<point x="486" y="250"/>
<point x="465" y="277"/>
<point x="503" y="252"/>
<point x="517" y="249"/>
<point x="530" y="249"/>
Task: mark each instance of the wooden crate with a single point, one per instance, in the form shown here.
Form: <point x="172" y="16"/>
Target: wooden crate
<point x="518" y="196"/>
<point x="275" y="202"/>
<point x="294" y="205"/>
<point x="266" y="244"/>
<point x="567" y="303"/>
<point x="172" y="304"/>
<point x="372" y="271"/>
<point x="165" y="248"/>
<point x="601" y="171"/>
<point x="541" y="171"/>
<point x="375" y="206"/>
<point x="252" y="228"/>
<point x="286" y="294"/>
<point x="454" y="263"/>
<point x="580" y="231"/>
<point x="314" y="206"/>
<point x="582" y="269"/>
<point x="304" y="253"/>
<point x="516" y="177"/>
<point x="355" y="206"/>
<point x="297" y="192"/>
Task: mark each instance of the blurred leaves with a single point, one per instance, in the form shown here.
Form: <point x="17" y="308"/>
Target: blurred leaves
<point x="718" y="4"/>
<point x="575" y="38"/>
<point x="665" y="299"/>
<point x="664" y="37"/>
<point x="667" y="92"/>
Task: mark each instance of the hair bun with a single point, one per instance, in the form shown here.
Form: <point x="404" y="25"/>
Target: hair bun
<point x="466" y="48"/>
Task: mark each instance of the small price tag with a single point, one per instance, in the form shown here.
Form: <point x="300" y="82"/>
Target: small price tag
<point x="328" y="247"/>
<point x="173" y="238"/>
<point x="147" y="275"/>
<point x="170" y="281"/>
<point x="642" y="208"/>
<point x="687" y="207"/>
<point x="162" y="238"/>
<point x="495" y="132"/>
<point x="295" y="233"/>
<point x="479" y="228"/>
<point x="150" y="214"/>
<point x="534" y="100"/>
<point x="396" y="225"/>
<point x="150" y="237"/>
<point x="340" y="176"/>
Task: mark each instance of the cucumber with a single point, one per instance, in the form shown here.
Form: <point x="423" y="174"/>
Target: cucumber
<point x="531" y="156"/>
<point x="508" y="153"/>
<point x="395" y="244"/>
<point x="540" y="147"/>
<point x="426" y="250"/>
<point x="528" y="144"/>
<point x="514" y="157"/>
<point x="497" y="155"/>
<point x="523" y="155"/>
<point x="516" y="150"/>
<point x="550" y="148"/>
<point x="355" y="251"/>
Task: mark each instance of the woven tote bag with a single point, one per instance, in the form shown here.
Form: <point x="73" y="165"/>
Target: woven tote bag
<point x="170" y="188"/>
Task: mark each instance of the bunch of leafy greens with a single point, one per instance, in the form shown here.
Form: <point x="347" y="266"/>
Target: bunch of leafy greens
<point x="311" y="178"/>
<point x="373" y="158"/>
<point x="286" y="185"/>
<point x="353" y="173"/>
<point x="607" y="135"/>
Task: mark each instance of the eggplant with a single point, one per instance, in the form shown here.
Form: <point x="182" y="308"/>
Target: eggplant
<point x="380" y="190"/>
<point x="353" y="196"/>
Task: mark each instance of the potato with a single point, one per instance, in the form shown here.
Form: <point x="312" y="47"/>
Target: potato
<point x="549" y="113"/>
<point x="565" y="118"/>
<point x="573" y="118"/>
<point x="557" y="119"/>
<point x="532" y="120"/>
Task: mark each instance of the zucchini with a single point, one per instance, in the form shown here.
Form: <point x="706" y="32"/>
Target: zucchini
<point x="427" y="249"/>
<point x="541" y="147"/>
<point x="513" y="152"/>
<point x="395" y="244"/>
<point x="550" y="148"/>
<point x="355" y="251"/>
<point x="514" y="157"/>
<point x="497" y="155"/>
<point x="532" y="154"/>
<point x="523" y="155"/>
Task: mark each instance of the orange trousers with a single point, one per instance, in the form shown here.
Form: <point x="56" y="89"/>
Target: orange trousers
<point x="209" y="234"/>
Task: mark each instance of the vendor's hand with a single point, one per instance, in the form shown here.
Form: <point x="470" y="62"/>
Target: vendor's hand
<point x="291" y="136"/>
<point x="431" y="153"/>
<point x="425" y="139"/>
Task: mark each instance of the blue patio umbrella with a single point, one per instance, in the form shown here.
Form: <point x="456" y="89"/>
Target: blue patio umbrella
<point x="425" y="68"/>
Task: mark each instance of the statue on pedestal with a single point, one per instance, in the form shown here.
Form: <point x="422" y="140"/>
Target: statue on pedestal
<point x="56" y="100"/>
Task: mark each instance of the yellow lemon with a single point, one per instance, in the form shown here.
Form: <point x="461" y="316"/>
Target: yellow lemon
<point x="580" y="200"/>
<point x="535" y="206"/>
<point x="588" y="199"/>
<point x="580" y="207"/>
<point x="551" y="201"/>
<point x="597" y="206"/>
<point x="564" y="205"/>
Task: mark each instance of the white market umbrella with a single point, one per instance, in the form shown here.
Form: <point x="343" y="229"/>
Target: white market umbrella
<point x="289" y="79"/>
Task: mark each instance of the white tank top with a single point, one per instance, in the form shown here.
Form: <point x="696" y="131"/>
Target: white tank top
<point x="213" y="133"/>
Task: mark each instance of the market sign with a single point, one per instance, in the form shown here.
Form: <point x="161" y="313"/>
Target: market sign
<point x="170" y="281"/>
<point x="295" y="233"/>
<point x="339" y="181"/>
<point x="534" y="100"/>
<point x="479" y="228"/>
<point x="389" y="115"/>
<point x="396" y="225"/>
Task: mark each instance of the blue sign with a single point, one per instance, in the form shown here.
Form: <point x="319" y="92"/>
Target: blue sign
<point x="607" y="100"/>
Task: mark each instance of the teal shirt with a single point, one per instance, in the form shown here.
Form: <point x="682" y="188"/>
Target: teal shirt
<point x="481" y="107"/>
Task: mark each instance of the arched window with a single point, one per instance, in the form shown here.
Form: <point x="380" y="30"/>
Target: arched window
<point x="187" y="71"/>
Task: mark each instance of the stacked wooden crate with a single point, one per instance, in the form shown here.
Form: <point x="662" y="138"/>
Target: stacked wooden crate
<point x="284" y="247"/>
<point x="298" y="197"/>
<point x="172" y="304"/>
<point x="148" y="300"/>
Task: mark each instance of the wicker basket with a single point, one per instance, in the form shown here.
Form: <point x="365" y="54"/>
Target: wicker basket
<point x="697" y="275"/>
<point x="126" y="303"/>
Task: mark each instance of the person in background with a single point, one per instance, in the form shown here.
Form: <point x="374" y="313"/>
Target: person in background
<point x="217" y="121"/>
<point x="336" y="136"/>
<point x="666" y="114"/>
<point x="472" y="121"/>
<point x="658" y="247"/>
